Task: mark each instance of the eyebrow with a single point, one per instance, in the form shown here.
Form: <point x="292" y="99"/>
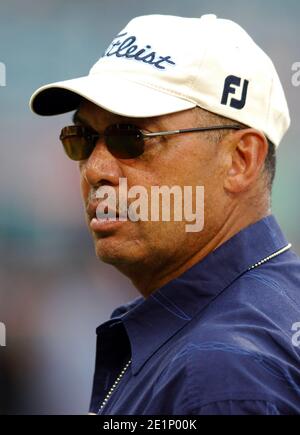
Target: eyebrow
<point x="76" y="119"/>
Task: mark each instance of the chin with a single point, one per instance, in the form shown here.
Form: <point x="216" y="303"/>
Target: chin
<point x="115" y="253"/>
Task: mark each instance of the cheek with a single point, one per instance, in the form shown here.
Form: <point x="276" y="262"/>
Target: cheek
<point x="189" y="165"/>
<point x="84" y="187"/>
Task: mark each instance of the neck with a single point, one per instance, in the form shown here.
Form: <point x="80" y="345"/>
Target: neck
<point x="143" y="277"/>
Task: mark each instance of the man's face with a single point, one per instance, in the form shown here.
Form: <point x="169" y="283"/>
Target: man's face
<point x="179" y="160"/>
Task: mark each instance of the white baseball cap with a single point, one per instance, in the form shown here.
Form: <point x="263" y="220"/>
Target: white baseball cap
<point x="161" y="64"/>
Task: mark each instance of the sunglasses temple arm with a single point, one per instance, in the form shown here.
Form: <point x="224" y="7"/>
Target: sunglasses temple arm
<point x="191" y="130"/>
<point x="162" y="133"/>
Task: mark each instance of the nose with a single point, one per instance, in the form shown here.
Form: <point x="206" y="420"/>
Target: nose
<point x="101" y="167"/>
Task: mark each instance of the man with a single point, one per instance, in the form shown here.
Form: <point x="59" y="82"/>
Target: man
<point x="213" y="332"/>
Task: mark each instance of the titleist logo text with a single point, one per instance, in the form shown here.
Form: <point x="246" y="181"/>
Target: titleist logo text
<point x="128" y="48"/>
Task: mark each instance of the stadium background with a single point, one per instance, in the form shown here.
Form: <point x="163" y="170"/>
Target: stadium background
<point x="53" y="292"/>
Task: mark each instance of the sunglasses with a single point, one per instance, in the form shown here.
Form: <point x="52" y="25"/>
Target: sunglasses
<point x="124" y="141"/>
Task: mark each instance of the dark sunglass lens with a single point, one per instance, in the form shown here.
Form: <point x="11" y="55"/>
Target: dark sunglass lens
<point x="77" y="148"/>
<point x="124" y="141"/>
<point x="77" y="144"/>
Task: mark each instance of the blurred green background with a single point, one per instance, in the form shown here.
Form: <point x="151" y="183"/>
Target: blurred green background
<point x="53" y="292"/>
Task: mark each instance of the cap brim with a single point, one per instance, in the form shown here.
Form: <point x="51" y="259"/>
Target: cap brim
<point x="116" y="95"/>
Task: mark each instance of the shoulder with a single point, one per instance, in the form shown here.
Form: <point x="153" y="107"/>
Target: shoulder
<point x="226" y="368"/>
<point x="238" y="355"/>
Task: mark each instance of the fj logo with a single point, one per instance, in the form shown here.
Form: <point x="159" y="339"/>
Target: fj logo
<point x="230" y="86"/>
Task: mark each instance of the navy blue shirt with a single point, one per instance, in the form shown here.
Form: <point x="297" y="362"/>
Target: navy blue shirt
<point x="216" y="340"/>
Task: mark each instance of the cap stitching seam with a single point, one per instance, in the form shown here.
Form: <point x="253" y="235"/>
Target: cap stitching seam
<point x="203" y="58"/>
<point x="269" y="105"/>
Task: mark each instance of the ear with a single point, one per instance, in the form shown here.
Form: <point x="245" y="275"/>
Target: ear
<point x="248" y="150"/>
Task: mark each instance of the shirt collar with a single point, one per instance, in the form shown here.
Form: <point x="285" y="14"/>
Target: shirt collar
<point x="151" y="322"/>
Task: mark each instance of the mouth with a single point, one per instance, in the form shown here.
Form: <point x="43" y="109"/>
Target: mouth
<point x="100" y="223"/>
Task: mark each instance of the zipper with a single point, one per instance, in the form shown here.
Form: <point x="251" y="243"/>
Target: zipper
<point x="116" y="383"/>
<point x="264" y="260"/>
